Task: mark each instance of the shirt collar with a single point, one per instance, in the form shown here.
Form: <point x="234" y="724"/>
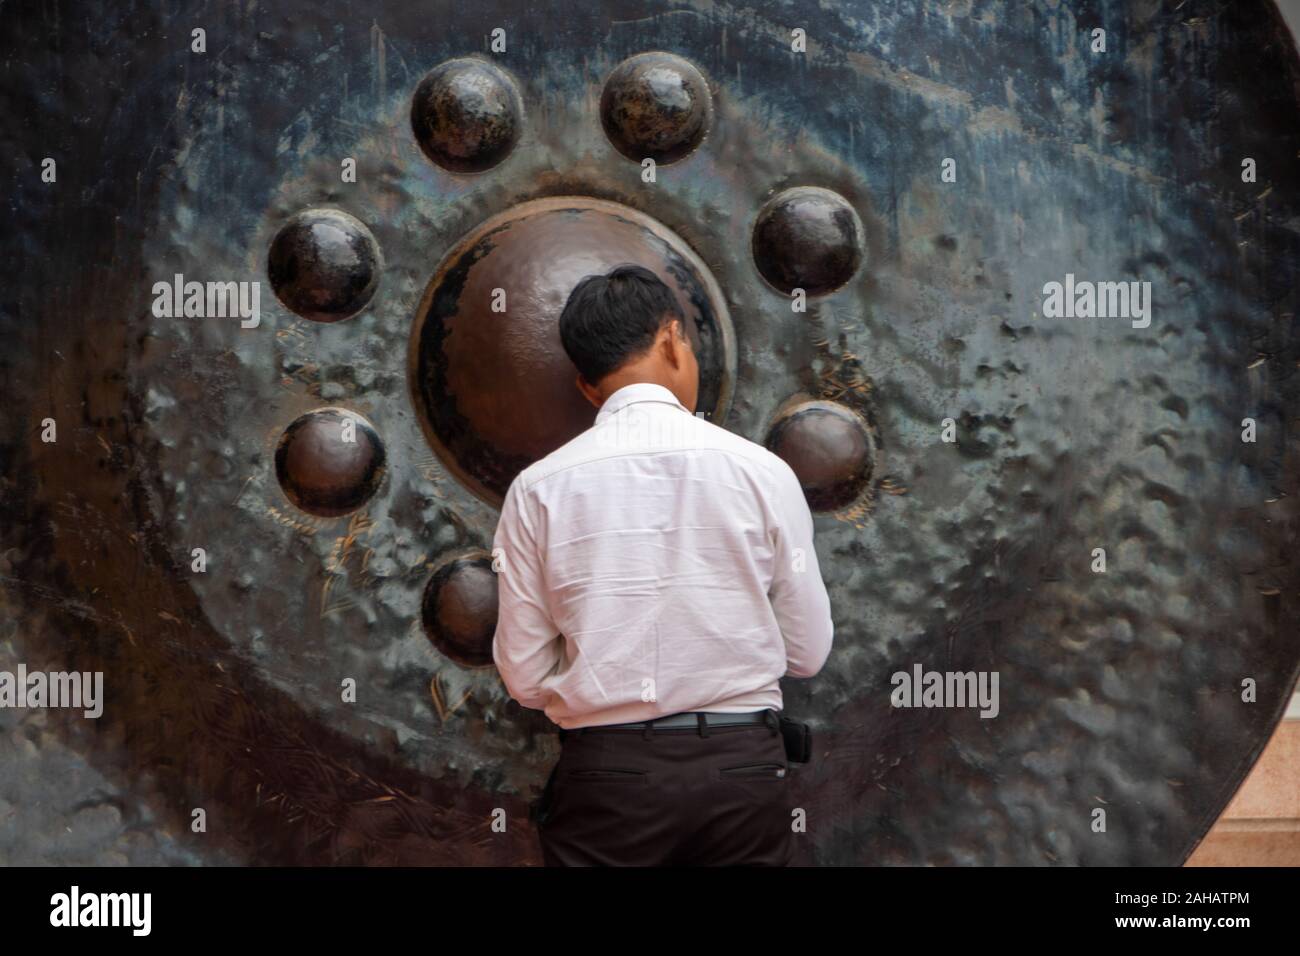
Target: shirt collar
<point x="637" y="392"/>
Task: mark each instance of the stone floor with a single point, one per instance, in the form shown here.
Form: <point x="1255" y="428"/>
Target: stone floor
<point x="1261" y="826"/>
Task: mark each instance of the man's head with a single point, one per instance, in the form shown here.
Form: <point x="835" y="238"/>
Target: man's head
<point x="625" y="327"/>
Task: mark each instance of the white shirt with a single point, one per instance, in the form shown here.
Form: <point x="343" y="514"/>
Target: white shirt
<point x="654" y="564"/>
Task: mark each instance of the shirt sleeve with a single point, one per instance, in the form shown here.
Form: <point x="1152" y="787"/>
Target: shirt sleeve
<point x="798" y="595"/>
<point x="526" y="646"/>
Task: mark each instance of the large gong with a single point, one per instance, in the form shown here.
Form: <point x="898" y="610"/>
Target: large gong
<point x="1011" y="285"/>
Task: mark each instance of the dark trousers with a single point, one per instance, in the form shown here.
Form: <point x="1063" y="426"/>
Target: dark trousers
<point x="718" y="797"/>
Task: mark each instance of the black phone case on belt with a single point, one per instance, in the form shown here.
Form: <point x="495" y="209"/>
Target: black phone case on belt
<point x="797" y="737"/>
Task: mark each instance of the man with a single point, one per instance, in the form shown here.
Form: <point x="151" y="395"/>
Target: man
<point x="657" y="578"/>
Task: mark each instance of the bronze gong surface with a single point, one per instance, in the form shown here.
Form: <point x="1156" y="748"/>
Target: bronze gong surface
<point x="862" y="232"/>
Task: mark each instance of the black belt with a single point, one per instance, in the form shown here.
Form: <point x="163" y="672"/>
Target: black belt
<point x="700" y="720"/>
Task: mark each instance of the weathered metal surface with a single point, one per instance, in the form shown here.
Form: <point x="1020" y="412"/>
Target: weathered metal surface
<point x="656" y="106"/>
<point x="324" y="265"/>
<point x="489" y="376"/>
<point x="1119" y="690"/>
<point x="329" y="462"/>
<point x="466" y="115"/>
<point x="807" y="238"/>
<point x="829" y="447"/>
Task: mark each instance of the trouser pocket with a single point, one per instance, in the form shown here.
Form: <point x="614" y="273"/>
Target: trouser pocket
<point x="540" y="808"/>
<point x="769" y="771"/>
<point x="605" y="773"/>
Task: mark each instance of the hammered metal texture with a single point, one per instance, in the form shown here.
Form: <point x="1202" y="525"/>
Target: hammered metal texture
<point x="1119" y="690"/>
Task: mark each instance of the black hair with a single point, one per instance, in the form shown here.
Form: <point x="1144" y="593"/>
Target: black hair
<point x="615" y="317"/>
